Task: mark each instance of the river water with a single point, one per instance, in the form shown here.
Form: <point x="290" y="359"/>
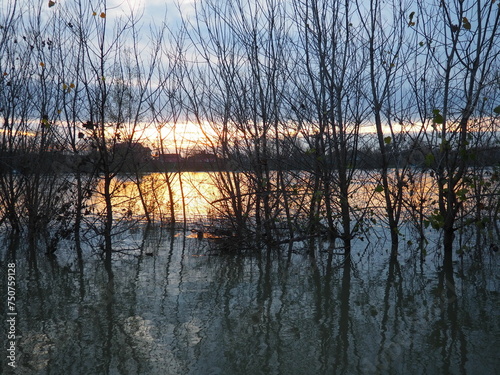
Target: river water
<point x="174" y="306"/>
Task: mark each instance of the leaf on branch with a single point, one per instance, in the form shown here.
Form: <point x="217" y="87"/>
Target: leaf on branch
<point x="379" y="188"/>
<point x="466" y="23"/>
<point x="429" y="159"/>
<point x="497" y="109"/>
<point x="45" y="121"/>
<point x="437" y="220"/>
<point x="411" y="22"/>
<point x="438" y="117"/>
<point x="461" y="194"/>
<point x="387" y="140"/>
<point x="51" y="3"/>
<point x="89" y="125"/>
<point x="102" y="15"/>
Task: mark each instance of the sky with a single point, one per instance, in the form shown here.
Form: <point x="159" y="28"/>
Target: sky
<point x="155" y="11"/>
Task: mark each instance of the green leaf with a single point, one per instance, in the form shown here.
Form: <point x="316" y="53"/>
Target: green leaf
<point x="379" y="188"/>
<point x="461" y="194"/>
<point x="387" y="140"/>
<point x="466" y="23"/>
<point x="497" y="109"/>
<point x="436" y="220"/>
<point x="438" y="119"/>
<point x="429" y="159"/>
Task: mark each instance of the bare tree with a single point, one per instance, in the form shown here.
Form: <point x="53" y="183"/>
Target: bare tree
<point x="384" y="30"/>
<point x="461" y="56"/>
<point x="240" y="92"/>
<point x="32" y="193"/>
<point x="330" y="110"/>
<point x="114" y="77"/>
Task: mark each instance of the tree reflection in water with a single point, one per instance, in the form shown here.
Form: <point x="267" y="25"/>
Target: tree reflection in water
<point x="182" y="311"/>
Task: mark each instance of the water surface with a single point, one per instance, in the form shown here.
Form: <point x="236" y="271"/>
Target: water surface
<point x="174" y="306"/>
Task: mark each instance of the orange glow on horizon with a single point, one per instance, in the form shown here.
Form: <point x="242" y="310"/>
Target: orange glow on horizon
<point x="177" y="137"/>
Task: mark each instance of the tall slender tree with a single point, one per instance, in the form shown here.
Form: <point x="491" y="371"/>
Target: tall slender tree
<point x="330" y="109"/>
<point x="460" y="40"/>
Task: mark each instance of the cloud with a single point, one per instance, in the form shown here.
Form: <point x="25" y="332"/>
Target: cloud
<point x="156" y="11"/>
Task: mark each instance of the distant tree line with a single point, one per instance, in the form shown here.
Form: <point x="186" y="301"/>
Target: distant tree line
<point x="136" y="156"/>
